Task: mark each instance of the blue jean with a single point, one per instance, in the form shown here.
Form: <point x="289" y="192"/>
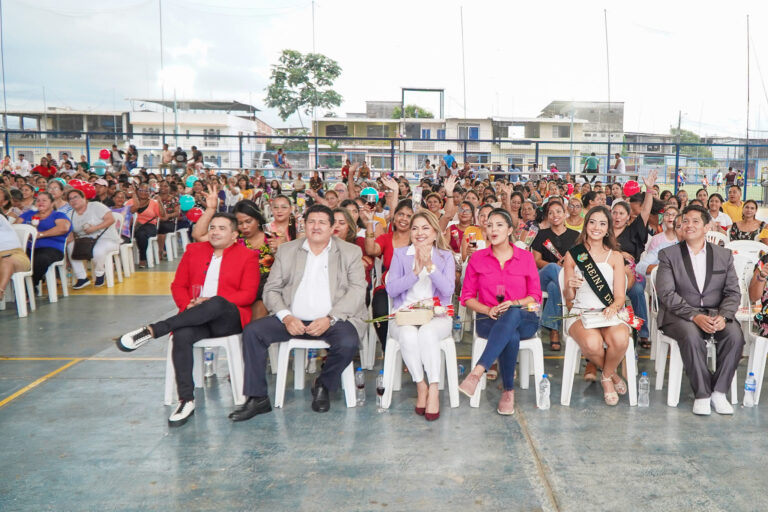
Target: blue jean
<point x="636" y="295"/>
<point x="552" y="308"/>
<point x="504" y="337"/>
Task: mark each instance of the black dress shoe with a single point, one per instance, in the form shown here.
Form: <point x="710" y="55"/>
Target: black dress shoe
<point x="252" y="407"/>
<point x="321" y="400"/>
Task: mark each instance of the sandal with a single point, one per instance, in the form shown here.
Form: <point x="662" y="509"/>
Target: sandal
<point x="554" y="340"/>
<point x="645" y="343"/>
<point x="611" y="398"/>
<point x="493" y="373"/>
<point x="621" y="386"/>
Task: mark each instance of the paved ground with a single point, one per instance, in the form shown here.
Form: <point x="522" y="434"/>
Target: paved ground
<point x="94" y="436"/>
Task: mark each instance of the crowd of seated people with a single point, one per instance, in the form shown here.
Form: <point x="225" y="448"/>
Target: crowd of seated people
<point x="449" y="236"/>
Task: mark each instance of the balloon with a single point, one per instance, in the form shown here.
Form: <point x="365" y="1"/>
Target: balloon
<point x="104" y="154"/>
<point x="570" y="188"/>
<point x="631" y="188"/>
<point x="77" y="184"/>
<point x="89" y="190"/>
<point x="99" y="167"/>
<point x="190" y="181"/>
<point x="194" y="214"/>
<point x="61" y="180"/>
<point x="186" y="202"/>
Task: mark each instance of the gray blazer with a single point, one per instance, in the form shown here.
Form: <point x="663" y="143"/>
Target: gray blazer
<point x="679" y="296"/>
<point x="346" y="280"/>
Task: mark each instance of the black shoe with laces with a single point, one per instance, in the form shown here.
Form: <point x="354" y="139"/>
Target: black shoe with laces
<point x="81" y="283"/>
<point x="99" y="281"/>
<point x="130" y="341"/>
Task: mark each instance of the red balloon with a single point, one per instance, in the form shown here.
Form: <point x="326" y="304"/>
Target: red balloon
<point x="104" y="154"/>
<point x="570" y="188"/>
<point x="77" y="184"/>
<point x="89" y="190"/>
<point x="194" y="214"/>
<point x="631" y="188"/>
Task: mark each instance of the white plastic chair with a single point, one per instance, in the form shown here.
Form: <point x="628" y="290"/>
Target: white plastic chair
<point x="27" y="236"/>
<point x="747" y="247"/>
<point x="717" y="238"/>
<point x="393" y="370"/>
<point x="232" y="345"/>
<point x="113" y="263"/>
<point x="758" y="351"/>
<point x="299" y="360"/>
<point x="573" y="358"/>
<point x="530" y="351"/>
<point x="50" y="280"/>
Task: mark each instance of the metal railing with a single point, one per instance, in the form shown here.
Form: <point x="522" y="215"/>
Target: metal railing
<point x="695" y="161"/>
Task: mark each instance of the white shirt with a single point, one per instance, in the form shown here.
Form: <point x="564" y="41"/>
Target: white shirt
<point x="621" y="167"/>
<point x="93" y="216"/>
<point x="8" y="238"/>
<point x="211" y="285"/>
<point x="313" y="295"/>
<point x="423" y="287"/>
<point x="699" y="264"/>
<point x="723" y="220"/>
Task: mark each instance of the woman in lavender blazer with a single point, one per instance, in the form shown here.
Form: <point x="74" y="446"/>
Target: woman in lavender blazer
<point x="420" y="271"/>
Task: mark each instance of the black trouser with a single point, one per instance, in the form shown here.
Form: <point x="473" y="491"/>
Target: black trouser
<point x="591" y="171"/>
<point x="165" y="227"/>
<point x="380" y="307"/>
<point x="142" y="235"/>
<point x="44" y="258"/>
<point x="214" y="318"/>
<point x="693" y="350"/>
<point x="260" y="334"/>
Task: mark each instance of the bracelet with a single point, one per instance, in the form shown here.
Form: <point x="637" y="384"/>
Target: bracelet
<point x="370" y="235"/>
<point x="761" y="277"/>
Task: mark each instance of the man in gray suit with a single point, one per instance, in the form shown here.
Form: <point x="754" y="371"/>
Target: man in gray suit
<point x="315" y="290"/>
<point x="698" y="297"/>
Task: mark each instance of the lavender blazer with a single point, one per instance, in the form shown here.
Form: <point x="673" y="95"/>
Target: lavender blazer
<point x="400" y="277"/>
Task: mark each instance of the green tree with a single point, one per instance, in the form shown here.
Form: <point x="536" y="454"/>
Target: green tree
<point x="701" y="154"/>
<point x="301" y="82"/>
<point x="412" y="111"/>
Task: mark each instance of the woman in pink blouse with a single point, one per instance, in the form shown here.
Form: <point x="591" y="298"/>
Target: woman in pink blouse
<point x="497" y="282"/>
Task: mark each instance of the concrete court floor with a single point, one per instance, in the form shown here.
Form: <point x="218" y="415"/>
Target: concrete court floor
<point x="95" y="437"/>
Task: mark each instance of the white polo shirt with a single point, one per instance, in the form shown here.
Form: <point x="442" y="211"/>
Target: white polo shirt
<point x="313" y="295"/>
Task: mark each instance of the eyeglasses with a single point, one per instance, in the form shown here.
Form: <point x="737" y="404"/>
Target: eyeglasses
<point x="465" y="210"/>
<point x="573" y="205"/>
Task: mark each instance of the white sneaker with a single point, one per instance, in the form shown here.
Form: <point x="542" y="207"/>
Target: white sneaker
<point x="701" y="406"/>
<point x="130" y="341"/>
<point x="182" y="413"/>
<point x="721" y="404"/>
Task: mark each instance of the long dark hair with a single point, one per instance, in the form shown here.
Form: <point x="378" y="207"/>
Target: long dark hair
<point x="402" y="205"/>
<point x="347" y="202"/>
<point x="291" y="218"/>
<point x="609" y="240"/>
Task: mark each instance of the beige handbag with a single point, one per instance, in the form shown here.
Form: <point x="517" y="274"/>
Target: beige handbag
<point x="414" y="316"/>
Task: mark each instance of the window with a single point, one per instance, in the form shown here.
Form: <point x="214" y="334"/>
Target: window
<point x="336" y="130"/>
<point x="653" y="148"/>
<point x="469" y="132"/>
<point x="478" y="158"/>
<point x="377" y="130"/>
<point x="441" y="134"/>
<point x="412" y="130"/>
<point x="150" y="136"/>
<point x="561" y="131"/>
<point x="531" y="131"/>
<point x="426" y="134"/>
<point x="187" y="134"/>
<point x="211" y="137"/>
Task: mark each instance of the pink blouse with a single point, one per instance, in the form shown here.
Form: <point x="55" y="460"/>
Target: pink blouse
<point x="520" y="277"/>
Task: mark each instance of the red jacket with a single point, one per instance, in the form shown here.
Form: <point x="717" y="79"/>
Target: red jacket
<point x="238" y="276"/>
<point x="45" y="172"/>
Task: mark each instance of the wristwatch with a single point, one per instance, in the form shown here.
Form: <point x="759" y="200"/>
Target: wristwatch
<point x="333" y="320"/>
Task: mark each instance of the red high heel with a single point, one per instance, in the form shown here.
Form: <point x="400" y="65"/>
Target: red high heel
<point x="420" y="410"/>
<point x="429" y="416"/>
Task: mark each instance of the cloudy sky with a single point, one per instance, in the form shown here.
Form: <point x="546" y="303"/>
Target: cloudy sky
<point x="665" y="57"/>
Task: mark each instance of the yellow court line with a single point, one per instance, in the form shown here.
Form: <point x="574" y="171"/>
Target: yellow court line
<point x="38" y="382"/>
<point x="3" y="358"/>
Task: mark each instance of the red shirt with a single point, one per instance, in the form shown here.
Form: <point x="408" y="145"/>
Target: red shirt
<point x="238" y="276"/>
<point x="520" y="277"/>
<point x="45" y="172"/>
<point x="345" y="172"/>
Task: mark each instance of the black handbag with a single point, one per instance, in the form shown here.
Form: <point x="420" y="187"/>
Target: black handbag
<point x="83" y="247"/>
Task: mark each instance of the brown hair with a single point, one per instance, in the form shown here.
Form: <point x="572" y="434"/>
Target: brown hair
<point x="427" y="215"/>
<point x="351" y="236"/>
<point x="609" y="240"/>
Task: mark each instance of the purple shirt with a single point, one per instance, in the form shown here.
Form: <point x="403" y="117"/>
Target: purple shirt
<point x="400" y="277"/>
<point x="520" y="277"/>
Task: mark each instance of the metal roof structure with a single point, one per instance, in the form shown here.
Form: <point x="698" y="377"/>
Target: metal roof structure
<point x="188" y="104"/>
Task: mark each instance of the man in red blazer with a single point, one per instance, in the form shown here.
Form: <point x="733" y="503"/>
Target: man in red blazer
<point x="214" y="288"/>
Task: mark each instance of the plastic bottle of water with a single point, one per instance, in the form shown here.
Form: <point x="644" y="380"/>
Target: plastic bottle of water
<point x="379" y="390"/>
<point x="360" y="384"/>
<point x="543" y="401"/>
<point x="644" y="390"/>
<point x="209" y="370"/>
<point x="750" y="386"/>
<point x="312" y="358"/>
<point x="461" y="370"/>
<point x="458" y="327"/>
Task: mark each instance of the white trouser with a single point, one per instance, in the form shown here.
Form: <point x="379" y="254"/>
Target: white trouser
<point x="100" y="251"/>
<point x="420" y="346"/>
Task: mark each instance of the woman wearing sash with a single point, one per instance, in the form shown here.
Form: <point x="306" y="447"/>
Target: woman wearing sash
<point x="500" y="280"/>
<point x="597" y="291"/>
